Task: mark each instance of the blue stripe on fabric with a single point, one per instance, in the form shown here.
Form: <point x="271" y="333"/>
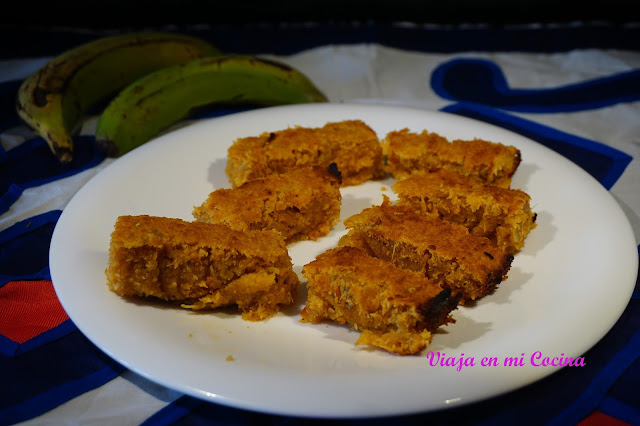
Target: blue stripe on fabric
<point x="290" y="38"/>
<point x="32" y="164"/>
<point x="211" y="111"/>
<point x="24" y="248"/>
<point x="207" y="413"/>
<point x="483" y="82"/>
<point x="173" y="412"/>
<point x="604" y="163"/>
<point x="10" y="348"/>
<point x="619" y="410"/>
<point x="51" y="399"/>
<point x="43" y="274"/>
<point x="636" y="291"/>
<point x="597" y="389"/>
<point x="42" y="378"/>
<point x="20" y="228"/>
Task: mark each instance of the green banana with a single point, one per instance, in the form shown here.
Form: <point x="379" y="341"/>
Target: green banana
<point x="162" y="98"/>
<point x="54" y="99"/>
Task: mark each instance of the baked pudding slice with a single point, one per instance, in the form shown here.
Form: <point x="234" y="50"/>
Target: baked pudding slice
<point x="502" y="215"/>
<point x="488" y="162"/>
<point x="303" y="204"/>
<point x="201" y="265"/>
<point x="351" y="144"/>
<point x="394" y="309"/>
<point x="442" y="251"/>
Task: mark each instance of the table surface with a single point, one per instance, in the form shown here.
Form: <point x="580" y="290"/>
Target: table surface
<point x="574" y="88"/>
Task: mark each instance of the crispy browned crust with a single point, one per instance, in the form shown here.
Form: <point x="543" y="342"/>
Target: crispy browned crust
<point x="351" y="144"/>
<point x="445" y="252"/>
<point x="201" y="265"/>
<point x="301" y="204"/>
<point x="488" y="162"/>
<point x="395" y="309"/>
<point x="502" y="215"/>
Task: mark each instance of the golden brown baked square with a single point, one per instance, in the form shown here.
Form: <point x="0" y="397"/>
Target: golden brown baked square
<point x="201" y="265"/>
<point x="395" y="309"/>
<point x="502" y="215"/>
<point x="488" y="162"/>
<point x="301" y="204"/>
<point x="358" y="151"/>
<point x="444" y="252"/>
<point x="351" y="144"/>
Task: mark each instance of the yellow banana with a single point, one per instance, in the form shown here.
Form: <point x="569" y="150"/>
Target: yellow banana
<point x="162" y="98"/>
<point x="54" y="99"/>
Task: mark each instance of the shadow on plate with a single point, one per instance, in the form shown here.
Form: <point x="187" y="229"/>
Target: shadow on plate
<point x="217" y="175"/>
<point x="523" y="175"/>
<point x="464" y="330"/>
<point x="352" y="205"/>
<point x="516" y="279"/>
<point x="541" y="235"/>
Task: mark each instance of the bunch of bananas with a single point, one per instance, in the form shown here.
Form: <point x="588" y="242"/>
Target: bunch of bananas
<point x="152" y="81"/>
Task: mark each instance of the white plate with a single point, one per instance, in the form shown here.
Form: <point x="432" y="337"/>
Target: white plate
<point x="565" y="290"/>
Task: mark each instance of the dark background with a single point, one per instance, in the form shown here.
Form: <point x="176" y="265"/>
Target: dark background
<point x="31" y="28"/>
<point x="145" y="13"/>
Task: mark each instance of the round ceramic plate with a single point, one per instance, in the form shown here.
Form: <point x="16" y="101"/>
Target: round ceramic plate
<point x="565" y="290"/>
